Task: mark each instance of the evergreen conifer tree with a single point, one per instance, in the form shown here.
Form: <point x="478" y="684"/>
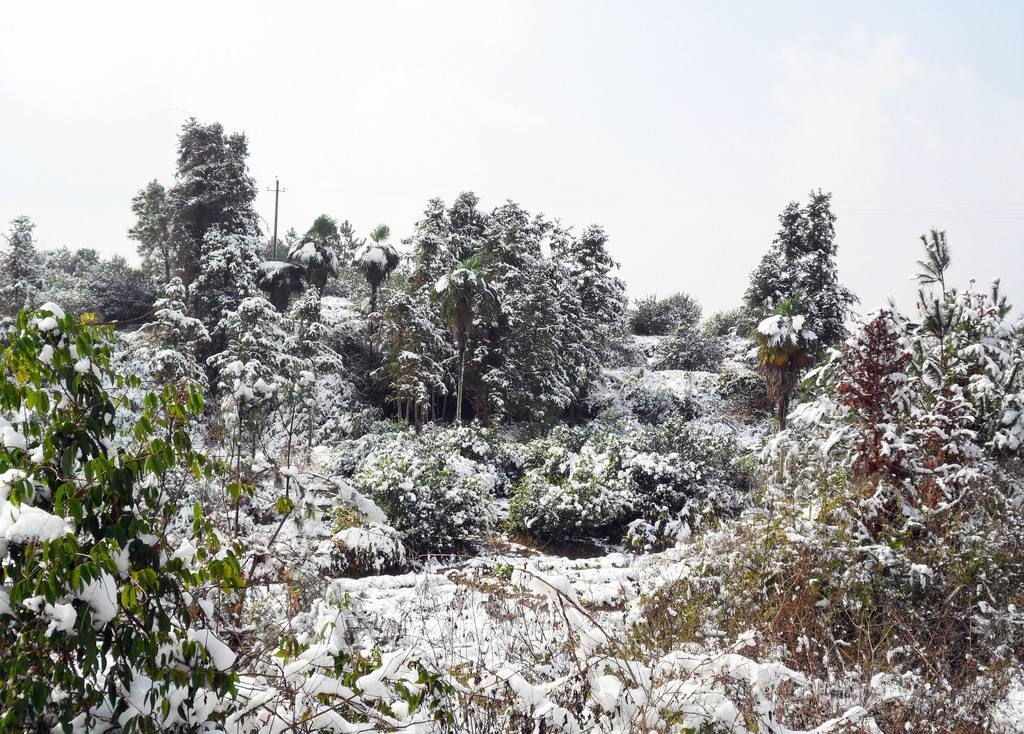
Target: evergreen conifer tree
<point x="159" y="259"/>
<point x="20" y="269"/>
<point x="801" y="265"/>
<point x="229" y="268"/>
<point x="213" y="191"/>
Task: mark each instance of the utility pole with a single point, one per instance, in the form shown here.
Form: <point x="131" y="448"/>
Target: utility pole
<point x="277" y="193"/>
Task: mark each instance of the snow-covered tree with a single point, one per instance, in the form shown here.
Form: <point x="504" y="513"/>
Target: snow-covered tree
<point x="175" y="340"/>
<point x="785" y="349"/>
<point x="536" y="356"/>
<point x="212" y="191"/>
<point x="872" y="383"/>
<point x="925" y="402"/>
<point x="377" y="259"/>
<point x="349" y="242"/>
<point x="801" y="265"/>
<point x="152" y="232"/>
<point x="251" y="369"/>
<point x="318" y="252"/>
<point x="463" y="295"/>
<point x="415" y="353"/>
<point x="280" y="281"/>
<point x="229" y="268"/>
<point x="690" y="348"/>
<point x="67" y="275"/>
<point x="120" y="293"/>
<point x="661" y="316"/>
<point x="602" y="295"/>
<point x="20" y="269"/>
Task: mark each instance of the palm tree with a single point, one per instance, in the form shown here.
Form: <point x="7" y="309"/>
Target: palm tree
<point x="280" y="281"/>
<point x="317" y="251"/>
<point x="459" y="293"/>
<point x="785" y="350"/>
<point x="377" y="261"/>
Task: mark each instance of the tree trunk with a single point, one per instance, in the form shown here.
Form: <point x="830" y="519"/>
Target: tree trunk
<point x="462" y="379"/>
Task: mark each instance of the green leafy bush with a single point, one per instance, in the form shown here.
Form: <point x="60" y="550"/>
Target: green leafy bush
<point x="102" y="620"/>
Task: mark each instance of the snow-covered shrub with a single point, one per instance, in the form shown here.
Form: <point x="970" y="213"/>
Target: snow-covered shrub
<point x="363" y="548"/>
<point x="635" y="394"/>
<point x="743" y="385"/>
<point x="920" y="625"/>
<point x="552" y="503"/>
<point x="654" y="405"/>
<point x="315" y="680"/>
<point x="625" y="352"/>
<point x="172" y="341"/>
<point x="660" y="474"/>
<point x="892" y="518"/>
<point x="725" y="324"/>
<point x="652" y="316"/>
<point x="689" y="348"/>
<point x="430" y="487"/>
<point x="107" y="619"/>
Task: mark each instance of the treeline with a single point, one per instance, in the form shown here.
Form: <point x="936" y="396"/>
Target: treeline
<point x="491" y="315"/>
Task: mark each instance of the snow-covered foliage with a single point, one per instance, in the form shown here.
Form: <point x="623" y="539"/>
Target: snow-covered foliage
<point x="800" y="267"/>
<point x="653" y="316"/>
<point x="213" y="191"/>
<point x="318" y="253"/>
<point x="229" y="267"/>
<point x="376" y="259"/>
<point x="435" y="488"/>
<point x="665" y="475"/>
<point x="689" y="348"/>
<point x="87" y="572"/>
<point x="533" y="329"/>
<point x="20" y="269"/>
<point x="725" y="324"/>
<point x="280" y="281"/>
<point x="417" y="354"/>
<point x="927" y="400"/>
<point x="895" y="500"/>
<point x="785" y="348"/>
<point x="173" y="341"/>
<point x="152" y="231"/>
<point x="450" y="512"/>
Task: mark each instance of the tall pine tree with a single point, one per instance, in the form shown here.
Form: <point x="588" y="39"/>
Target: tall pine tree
<point x="20" y="269"/>
<point x="213" y="190"/>
<point x="800" y="267"/>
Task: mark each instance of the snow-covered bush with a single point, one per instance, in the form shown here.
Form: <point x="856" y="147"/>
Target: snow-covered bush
<point x="725" y="324"/>
<point x="433" y="487"/>
<point x="363" y="548"/>
<point x="640" y="395"/>
<point x="660" y="474"/>
<point x="891" y="525"/>
<point x="653" y="316"/>
<point x="689" y="348"/>
<point x="173" y="341"/>
<point x="106" y="619"/>
<point x="625" y="352"/>
<point x="742" y="385"/>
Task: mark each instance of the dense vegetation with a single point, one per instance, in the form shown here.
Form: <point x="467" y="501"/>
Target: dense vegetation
<point x="454" y="483"/>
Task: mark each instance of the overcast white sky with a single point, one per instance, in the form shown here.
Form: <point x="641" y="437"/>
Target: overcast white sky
<point x="683" y="128"/>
